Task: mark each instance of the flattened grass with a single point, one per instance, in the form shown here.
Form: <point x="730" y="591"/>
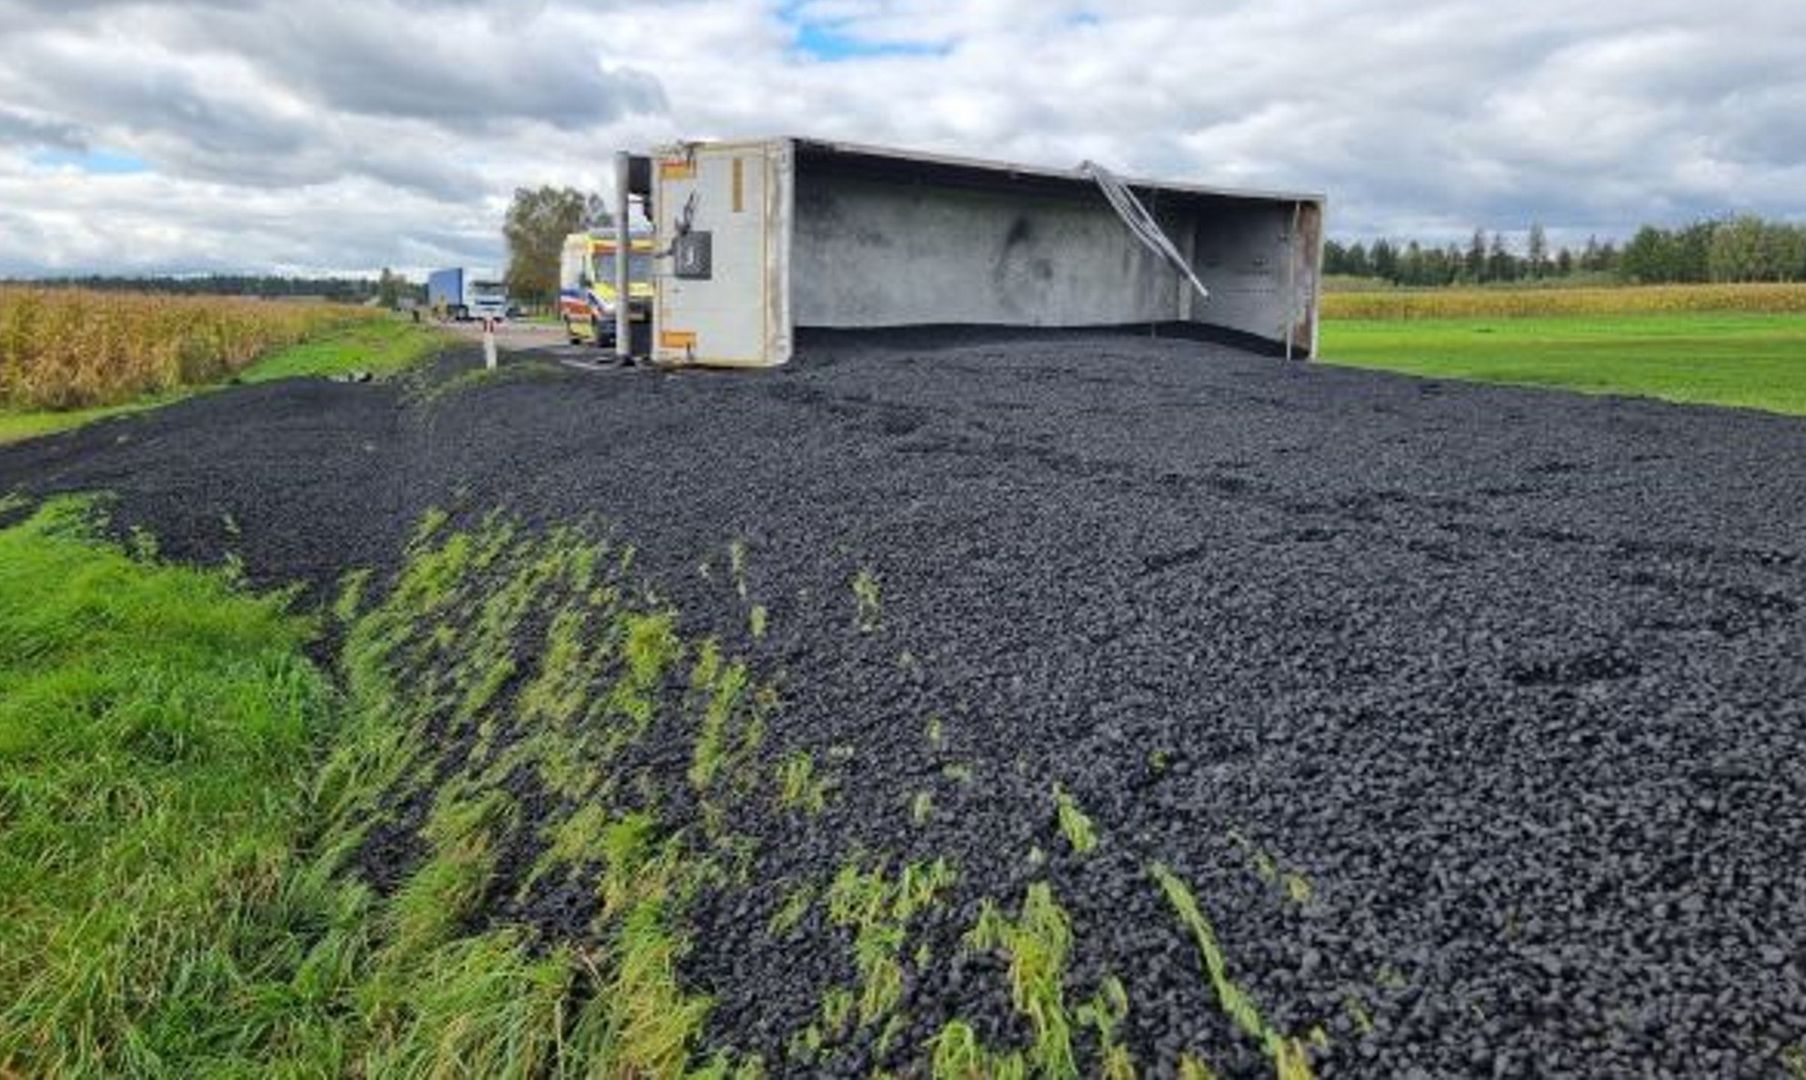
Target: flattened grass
<point x="1747" y="361"/>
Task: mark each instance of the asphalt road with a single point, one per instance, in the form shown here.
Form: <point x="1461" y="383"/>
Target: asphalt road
<point x="1514" y="682"/>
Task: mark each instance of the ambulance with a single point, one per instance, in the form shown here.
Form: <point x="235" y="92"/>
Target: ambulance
<point x="586" y="284"/>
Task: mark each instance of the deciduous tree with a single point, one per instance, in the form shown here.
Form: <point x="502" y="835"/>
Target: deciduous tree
<point x="538" y="221"/>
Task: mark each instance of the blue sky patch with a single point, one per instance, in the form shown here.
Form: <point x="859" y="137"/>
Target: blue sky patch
<point x="95" y="160"/>
<point x="826" y="39"/>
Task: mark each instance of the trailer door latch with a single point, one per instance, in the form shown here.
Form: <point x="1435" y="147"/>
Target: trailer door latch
<point x="692" y="256"/>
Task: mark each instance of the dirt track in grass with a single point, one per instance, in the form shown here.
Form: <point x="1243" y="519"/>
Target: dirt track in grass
<point x="1473" y="716"/>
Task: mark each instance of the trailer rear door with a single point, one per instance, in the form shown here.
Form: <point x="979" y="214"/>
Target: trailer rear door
<point x="722" y="213"/>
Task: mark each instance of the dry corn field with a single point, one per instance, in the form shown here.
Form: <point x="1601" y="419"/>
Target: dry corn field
<point x="1785" y="299"/>
<point x="72" y="348"/>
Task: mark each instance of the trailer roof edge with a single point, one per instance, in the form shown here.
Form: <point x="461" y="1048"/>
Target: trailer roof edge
<point x="837" y="147"/>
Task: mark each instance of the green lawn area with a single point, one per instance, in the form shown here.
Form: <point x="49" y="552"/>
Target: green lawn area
<point x="381" y="347"/>
<point x="156" y="728"/>
<point x="1752" y="361"/>
<point x="181" y="791"/>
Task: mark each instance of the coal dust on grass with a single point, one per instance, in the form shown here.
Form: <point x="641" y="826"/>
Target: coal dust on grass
<point x="1056" y="706"/>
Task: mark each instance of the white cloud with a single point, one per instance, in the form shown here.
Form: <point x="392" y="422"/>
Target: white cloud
<point x="355" y="133"/>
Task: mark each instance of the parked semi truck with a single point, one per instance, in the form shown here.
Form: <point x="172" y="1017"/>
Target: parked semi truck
<point x="461" y="292"/>
<point x="586" y="284"/>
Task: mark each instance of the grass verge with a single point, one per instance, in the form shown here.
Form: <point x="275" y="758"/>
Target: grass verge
<point x="1749" y="361"/>
<point x="381" y="348"/>
<point x="154" y="729"/>
<point x="16" y="425"/>
<point x="184" y="800"/>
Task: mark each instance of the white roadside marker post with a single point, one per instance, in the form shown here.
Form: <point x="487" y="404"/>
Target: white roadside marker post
<point x="489" y="344"/>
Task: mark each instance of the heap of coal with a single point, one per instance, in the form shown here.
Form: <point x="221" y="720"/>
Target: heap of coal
<point x="1471" y="719"/>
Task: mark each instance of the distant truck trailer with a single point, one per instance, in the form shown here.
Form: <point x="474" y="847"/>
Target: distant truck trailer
<point x="462" y="292"/>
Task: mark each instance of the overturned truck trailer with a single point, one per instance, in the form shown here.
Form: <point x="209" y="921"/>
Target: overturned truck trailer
<point x="763" y="238"/>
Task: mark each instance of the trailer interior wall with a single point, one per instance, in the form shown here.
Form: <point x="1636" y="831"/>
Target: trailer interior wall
<point x="867" y="253"/>
<point x="1260" y="260"/>
<point x="892" y="241"/>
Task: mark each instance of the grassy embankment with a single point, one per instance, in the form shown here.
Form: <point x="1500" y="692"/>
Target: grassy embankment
<point x="68" y="357"/>
<point x="182" y="794"/>
<point x="155" y="735"/>
<point x="1737" y="345"/>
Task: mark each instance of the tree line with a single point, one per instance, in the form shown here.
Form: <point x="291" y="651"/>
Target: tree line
<point x="344" y="290"/>
<point x="1742" y="249"/>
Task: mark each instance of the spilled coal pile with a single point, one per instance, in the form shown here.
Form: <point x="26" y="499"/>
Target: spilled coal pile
<point x="1081" y="705"/>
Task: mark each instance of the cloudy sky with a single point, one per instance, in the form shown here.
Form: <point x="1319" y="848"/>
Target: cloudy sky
<point x="344" y="135"/>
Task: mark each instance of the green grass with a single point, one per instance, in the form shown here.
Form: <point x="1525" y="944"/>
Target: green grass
<point x="1106" y="1011"/>
<point x="921" y="807"/>
<point x="1290" y="1061"/>
<point x="382" y="348"/>
<point x="181" y="796"/>
<point x="1075" y="825"/>
<point x="506" y="372"/>
<point x="154" y="733"/>
<point x="867" y="595"/>
<point x="29" y="424"/>
<point x="880" y="911"/>
<point x="1750" y="361"/>
<point x="799" y="786"/>
<point x="1036" y="942"/>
